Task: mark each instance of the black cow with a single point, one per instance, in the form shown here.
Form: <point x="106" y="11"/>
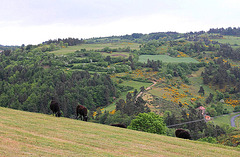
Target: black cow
<point x="54" y="106"/>
<point x="180" y="133"/>
<point x="82" y="112"/>
<point x="119" y="125"/>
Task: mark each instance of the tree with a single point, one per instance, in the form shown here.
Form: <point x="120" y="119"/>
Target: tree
<point x="209" y="98"/>
<point x="201" y="90"/>
<point x="148" y="122"/>
<point x="52" y="47"/>
<point x="61" y="44"/>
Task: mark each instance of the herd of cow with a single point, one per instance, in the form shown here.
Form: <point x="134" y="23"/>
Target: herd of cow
<point x="82" y="114"/>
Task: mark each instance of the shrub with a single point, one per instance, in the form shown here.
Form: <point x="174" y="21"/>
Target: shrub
<point x="148" y="122"/>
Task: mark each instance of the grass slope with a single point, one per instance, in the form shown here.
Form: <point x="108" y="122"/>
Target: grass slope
<point x="32" y="134"/>
<point x="166" y="58"/>
<point x="72" y="49"/>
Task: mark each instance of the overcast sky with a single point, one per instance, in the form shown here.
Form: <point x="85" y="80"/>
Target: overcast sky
<point x="35" y="21"/>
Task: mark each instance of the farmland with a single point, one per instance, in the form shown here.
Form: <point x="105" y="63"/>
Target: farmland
<point x="167" y="59"/>
<point x="93" y="47"/>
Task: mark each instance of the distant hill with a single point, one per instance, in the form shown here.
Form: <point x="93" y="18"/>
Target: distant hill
<point x="33" y="134"/>
<point x="3" y="47"/>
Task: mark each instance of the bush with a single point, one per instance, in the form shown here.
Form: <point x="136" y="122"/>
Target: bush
<point x="208" y="139"/>
<point x="148" y="122"/>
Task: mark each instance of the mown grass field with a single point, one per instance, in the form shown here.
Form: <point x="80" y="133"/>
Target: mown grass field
<point x="32" y="134"/>
<point x="166" y="58"/>
<point x="72" y="49"/>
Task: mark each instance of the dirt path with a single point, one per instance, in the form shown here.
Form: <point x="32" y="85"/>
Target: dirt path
<point x="139" y="94"/>
<point x="233" y="120"/>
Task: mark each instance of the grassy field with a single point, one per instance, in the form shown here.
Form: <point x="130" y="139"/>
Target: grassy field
<point x="116" y="54"/>
<point x="225" y="119"/>
<point x="232" y="40"/>
<point x="32" y="134"/>
<point x="72" y="49"/>
<point x="166" y="58"/>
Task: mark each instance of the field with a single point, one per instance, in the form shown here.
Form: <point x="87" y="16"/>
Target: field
<point x="116" y="54"/>
<point x="166" y="58"/>
<point x="225" y="119"/>
<point x="72" y="49"/>
<point x="34" y="134"/>
<point x="233" y="41"/>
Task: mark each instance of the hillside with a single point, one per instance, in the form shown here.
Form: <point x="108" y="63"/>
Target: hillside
<point x="33" y="134"/>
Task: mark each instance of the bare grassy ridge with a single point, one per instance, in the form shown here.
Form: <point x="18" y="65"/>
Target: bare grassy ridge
<point x="32" y="134"/>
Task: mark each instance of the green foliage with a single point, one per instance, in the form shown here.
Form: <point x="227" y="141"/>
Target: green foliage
<point x="212" y="140"/>
<point x="29" y="79"/>
<point x="148" y="122"/>
<point x="212" y="111"/>
<point x="116" y="118"/>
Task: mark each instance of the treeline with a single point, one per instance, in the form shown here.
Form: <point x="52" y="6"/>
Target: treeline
<point x="69" y="41"/>
<point x="162" y="36"/>
<point x="28" y="80"/>
<point x="2" y="47"/>
<point x="226" y="31"/>
<point x="138" y="37"/>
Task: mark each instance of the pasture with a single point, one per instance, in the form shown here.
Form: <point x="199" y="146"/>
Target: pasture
<point x="34" y="134"/>
<point x="116" y="54"/>
<point x="232" y="40"/>
<point x="225" y="119"/>
<point x="72" y="49"/>
<point x="166" y="58"/>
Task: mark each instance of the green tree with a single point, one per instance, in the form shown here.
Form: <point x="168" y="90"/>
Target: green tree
<point x="61" y="44"/>
<point x="148" y="122"/>
<point x="201" y="90"/>
<point x="52" y="47"/>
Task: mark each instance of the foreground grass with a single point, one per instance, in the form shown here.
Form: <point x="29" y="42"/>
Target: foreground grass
<point x="31" y="134"/>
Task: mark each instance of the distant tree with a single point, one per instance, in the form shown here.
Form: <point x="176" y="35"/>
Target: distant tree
<point x="66" y="44"/>
<point x="201" y="90"/>
<point x="52" y="47"/>
<point x="209" y="98"/>
<point x="148" y="122"/>
<point x="61" y="44"/>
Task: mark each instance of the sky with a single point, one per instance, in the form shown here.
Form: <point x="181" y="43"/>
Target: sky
<point x="34" y="21"/>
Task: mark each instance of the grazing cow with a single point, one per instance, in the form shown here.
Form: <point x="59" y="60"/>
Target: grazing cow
<point x="180" y="133"/>
<point x="119" y="125"/>
<point x="54" y="106"/>
<point x="82" y="112"/>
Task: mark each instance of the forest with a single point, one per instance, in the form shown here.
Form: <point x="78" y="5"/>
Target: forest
<point x="120" y="77"/>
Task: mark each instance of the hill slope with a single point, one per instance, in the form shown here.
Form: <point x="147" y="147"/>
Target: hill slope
<point x="32" y="134"/>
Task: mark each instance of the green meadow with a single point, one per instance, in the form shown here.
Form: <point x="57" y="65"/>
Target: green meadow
<point x="72" y="49"/>
<point x="34" y="134"/>
<point x="166" y="58"/>
<point x="232" y="40"/>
